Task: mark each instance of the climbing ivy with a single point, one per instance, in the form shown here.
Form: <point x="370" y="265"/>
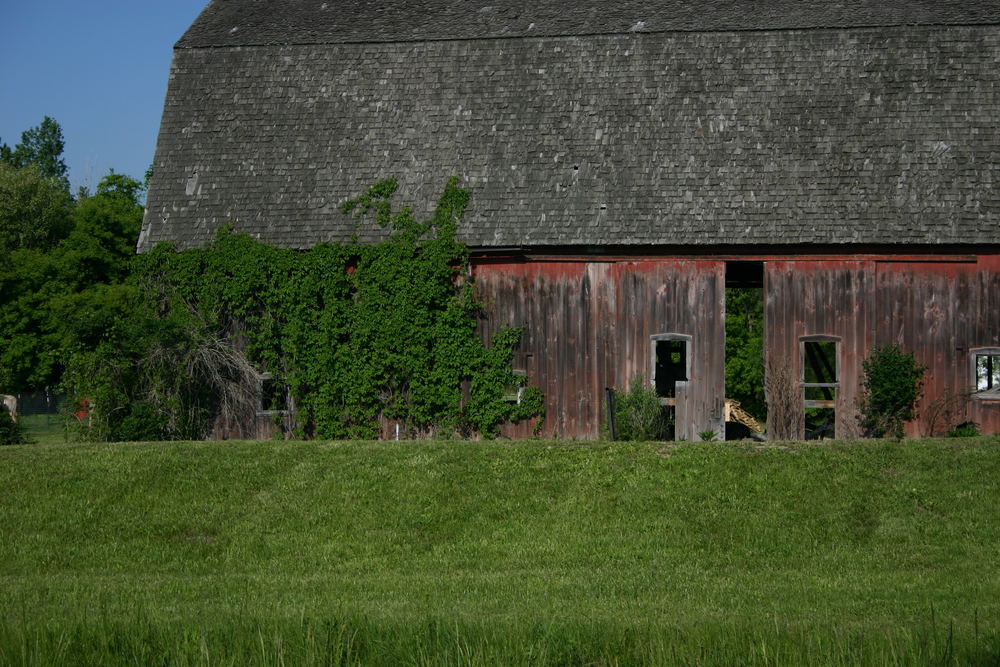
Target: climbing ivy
<point x="353" y="333"/>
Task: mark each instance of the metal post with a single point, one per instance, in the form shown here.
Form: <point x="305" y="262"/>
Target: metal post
<point x="610" y="394"/>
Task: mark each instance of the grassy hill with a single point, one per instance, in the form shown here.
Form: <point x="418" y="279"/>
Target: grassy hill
<point x="500" y="553"/>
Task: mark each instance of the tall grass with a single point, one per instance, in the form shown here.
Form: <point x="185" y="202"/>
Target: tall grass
<point x="523" y="553"/>
<point x="334" y="641"/>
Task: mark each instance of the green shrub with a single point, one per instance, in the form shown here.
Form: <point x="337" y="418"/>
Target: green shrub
<point x="11" y="432"/>
<point x="638" y="413"/>
<point x="893" y="383"/>
<point x="964" y="430"/>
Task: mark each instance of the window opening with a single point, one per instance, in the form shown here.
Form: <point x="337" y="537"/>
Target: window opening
<point x="819" y="387"/>
<point x="745" y="275"/>
<point x="986" y="372"/>
<point x="670" y="366"/>
<point x="273" y="397"/>
<point x="671" y="363"/>
<point x="515" y="391"/>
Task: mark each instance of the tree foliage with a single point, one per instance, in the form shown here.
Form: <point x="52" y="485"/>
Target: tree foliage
<point x="35" y="211"/>
<point x="354" y="334"/>
<point x="745" y="349"/>
<point x="164" y="344"/>
<point x="892" y="385"/>
<point x="60" y="299"/>
<point x="41" y="146"/>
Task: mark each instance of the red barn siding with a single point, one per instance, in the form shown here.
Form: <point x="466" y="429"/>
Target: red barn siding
<point x="940" y="311"/>
<point x="587" y="326"/>
<point x="937" y="309"/>
<point x="813" y="298"/>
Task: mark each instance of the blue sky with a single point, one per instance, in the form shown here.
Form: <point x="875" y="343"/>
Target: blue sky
<point x="99" y="67"/>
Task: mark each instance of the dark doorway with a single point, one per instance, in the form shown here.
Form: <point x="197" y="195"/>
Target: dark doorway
<point x="671" y="370"/>
<point x="670" y="367"/>
<point x="746" y="410"/>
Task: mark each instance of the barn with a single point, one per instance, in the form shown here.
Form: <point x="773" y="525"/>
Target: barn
<point x="630" y="163"/>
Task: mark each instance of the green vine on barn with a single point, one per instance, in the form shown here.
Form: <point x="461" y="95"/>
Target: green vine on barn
<point x="353" y="333"/>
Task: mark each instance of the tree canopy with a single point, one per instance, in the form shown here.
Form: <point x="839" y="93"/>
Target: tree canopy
<point x="35" y="210"/>
<point x="42" y="146"/>
<point x="59" y="291"/>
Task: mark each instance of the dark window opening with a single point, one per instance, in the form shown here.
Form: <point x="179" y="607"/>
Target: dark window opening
<point x="820" y="423"/>
<point x="272" y="394"/>
<point x="745" y="274"/>
<point x="819" y="388"/>
<point x="820" y="363"/>
<point x="670" y="367"/>
<point x="822" y="395"/>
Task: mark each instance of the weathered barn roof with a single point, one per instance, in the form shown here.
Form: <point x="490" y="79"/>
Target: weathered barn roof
<point x="257" y="22"/>
<point x="591" y="123"/>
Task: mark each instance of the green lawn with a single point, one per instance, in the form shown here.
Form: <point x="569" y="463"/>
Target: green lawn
<point x="500" y="553"/>
<point x="44" y="429"/>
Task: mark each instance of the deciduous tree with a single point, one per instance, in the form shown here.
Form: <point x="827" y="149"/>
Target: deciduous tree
<point x="43" y="146"/>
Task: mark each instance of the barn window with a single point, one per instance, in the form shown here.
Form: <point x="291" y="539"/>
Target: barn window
<point x="516" y="390"/>
<point x="273" y="395"/>
<point x="820" y="382"/>
<point x="671" y="363"/>
<point x="986" y="372"/>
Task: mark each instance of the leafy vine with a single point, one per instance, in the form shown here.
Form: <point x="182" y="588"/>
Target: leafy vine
<point x="353" y="335"/>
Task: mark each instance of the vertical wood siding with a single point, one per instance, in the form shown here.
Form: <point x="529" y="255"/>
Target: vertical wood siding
<point x="938" y="310"/>
<point x="587" y="326"/>
<point x="814" y="298"/>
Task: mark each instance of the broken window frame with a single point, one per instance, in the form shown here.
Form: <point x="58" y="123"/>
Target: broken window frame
<point x="514" y="394"/>
<point x="689" y="353"/>
<point x="833" y="386"/>
<point x="990" y="393"/>
<point x="263" y="378"/>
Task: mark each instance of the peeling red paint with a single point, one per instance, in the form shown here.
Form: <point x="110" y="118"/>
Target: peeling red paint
<point x="588" y="323"/>
<point x="588" y="326"/>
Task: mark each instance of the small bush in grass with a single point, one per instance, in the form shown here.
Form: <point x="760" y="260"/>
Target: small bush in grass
<point x="638" y="413"/>
<point x="893" y="382"/>
<point x="11" y="432"/>
<point x="964" y="430"/>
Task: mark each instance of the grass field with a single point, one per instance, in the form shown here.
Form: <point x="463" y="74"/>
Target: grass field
<point x="500" y="553"/>
<point x="46" y="429"/>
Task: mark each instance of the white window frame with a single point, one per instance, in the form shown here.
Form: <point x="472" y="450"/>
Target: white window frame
<point x="982" y="394"/>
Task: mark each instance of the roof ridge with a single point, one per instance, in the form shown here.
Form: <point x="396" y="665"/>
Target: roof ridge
<point x="306" y="22"/>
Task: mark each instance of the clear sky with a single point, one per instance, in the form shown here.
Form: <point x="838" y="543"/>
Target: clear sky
<point x="99" y="67"/>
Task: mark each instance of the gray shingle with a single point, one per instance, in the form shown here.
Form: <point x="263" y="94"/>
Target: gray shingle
<point x="255" y="22"/>
<point x="873" y="135"/>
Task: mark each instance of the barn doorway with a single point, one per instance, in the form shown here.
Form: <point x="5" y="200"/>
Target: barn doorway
<point x="671" y="373"/>
<point x="745" y="408"/>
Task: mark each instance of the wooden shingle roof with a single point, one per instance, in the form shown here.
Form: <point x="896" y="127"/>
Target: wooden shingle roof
<point x="257" y="22"/>
<point x="591" y="123"/>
